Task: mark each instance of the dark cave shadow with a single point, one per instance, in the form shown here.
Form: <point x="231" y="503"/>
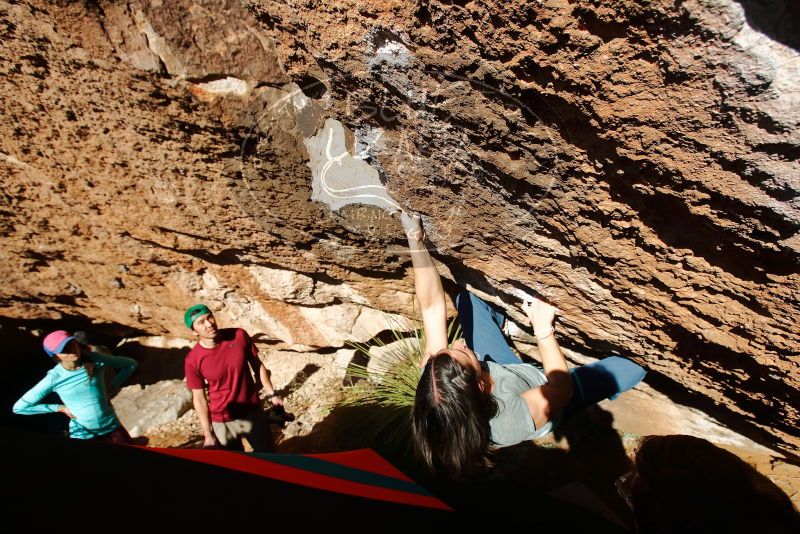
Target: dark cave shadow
<point x="595" y="457"/>
<point x="385" y="430"/>
<point x="112" y="474"/>
<point x="155" y="363"/>
<point x="522" y="474"/>
<point x="777" y="19"/>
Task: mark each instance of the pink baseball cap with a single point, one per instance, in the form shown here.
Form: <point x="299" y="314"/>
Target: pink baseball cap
<point x="55" y="342"/>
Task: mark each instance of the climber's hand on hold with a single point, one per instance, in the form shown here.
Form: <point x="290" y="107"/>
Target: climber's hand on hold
<point x="541" y="315"/>
<point x="428" y="286"/>
<point x="412" y="223"/>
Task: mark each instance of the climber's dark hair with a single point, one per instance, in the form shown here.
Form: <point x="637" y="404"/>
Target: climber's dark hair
<point x="450" y="422"/>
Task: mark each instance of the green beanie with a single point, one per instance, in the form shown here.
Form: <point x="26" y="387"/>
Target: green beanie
<point x="193" y="313"/>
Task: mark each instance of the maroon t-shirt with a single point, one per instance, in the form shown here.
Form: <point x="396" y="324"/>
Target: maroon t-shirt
<point x="232" y="391"/>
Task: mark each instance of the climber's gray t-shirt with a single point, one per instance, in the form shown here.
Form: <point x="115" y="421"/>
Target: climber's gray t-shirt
<point x="513" y="422"/>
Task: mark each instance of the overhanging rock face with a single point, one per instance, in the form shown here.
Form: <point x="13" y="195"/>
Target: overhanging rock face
<point x="636" y="163"/>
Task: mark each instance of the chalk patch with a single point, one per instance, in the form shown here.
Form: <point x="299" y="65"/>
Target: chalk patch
<point x="309" y="114"/>
<point x="13" y="161"/>
<point x="367" y="141"/>
<point x="524" y="296"/>
<point x="339" y="178"/>
<point x="209" y="91"/>
<point x="393" y="48"/>
<point x="225" y="86"/>
<point x="299" y="99"/>
<point x="392" y="53"/>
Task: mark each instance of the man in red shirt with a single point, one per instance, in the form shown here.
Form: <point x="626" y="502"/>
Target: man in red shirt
<point x="224" y="358"/>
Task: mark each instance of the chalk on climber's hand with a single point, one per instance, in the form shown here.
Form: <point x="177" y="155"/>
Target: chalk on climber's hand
<point x="524" y="296"/>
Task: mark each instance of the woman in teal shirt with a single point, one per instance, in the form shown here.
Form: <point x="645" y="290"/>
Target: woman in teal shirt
<point x="79" y="380"/>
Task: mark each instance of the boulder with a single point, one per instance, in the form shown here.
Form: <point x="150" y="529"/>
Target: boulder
<point x="142" y="408"/>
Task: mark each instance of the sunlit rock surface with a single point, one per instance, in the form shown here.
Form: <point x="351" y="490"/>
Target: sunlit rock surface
<point x="635" y="162"/>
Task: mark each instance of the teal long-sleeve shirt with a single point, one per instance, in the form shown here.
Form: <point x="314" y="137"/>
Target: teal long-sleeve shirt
<point x="86" y="398"/>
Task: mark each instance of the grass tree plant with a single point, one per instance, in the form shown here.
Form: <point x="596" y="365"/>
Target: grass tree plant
<point x="381" y="393"/>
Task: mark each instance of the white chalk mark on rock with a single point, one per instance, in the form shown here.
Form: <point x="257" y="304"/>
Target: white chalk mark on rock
<point x="225" y="86"/>
<point x="393" y="53"/>
<point x="339" y="178"/>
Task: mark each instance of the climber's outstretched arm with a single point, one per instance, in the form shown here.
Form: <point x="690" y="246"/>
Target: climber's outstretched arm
<point x="428" y="287"/>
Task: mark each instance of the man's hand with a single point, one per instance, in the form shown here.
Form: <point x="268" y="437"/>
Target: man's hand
<point x="412" y="225"/>
<point x="63" y="409"/>
<point x="201" y="408"/>
<point x="274" y="399"/>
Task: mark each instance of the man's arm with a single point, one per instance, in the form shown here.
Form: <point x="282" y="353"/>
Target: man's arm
<point x="194" y="381"/>
<point x="260" y="371"/>
<point x="263" y="375"/>
<point x="201" y="409"/>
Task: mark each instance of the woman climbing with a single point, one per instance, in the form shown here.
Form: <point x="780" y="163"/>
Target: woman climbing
<point x="78" y="378"/>
<point x="478" y="395"/>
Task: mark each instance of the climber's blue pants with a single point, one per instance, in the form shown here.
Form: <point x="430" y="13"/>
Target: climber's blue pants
<point x="603" y="379"/>
<point x="481" y="326"/>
